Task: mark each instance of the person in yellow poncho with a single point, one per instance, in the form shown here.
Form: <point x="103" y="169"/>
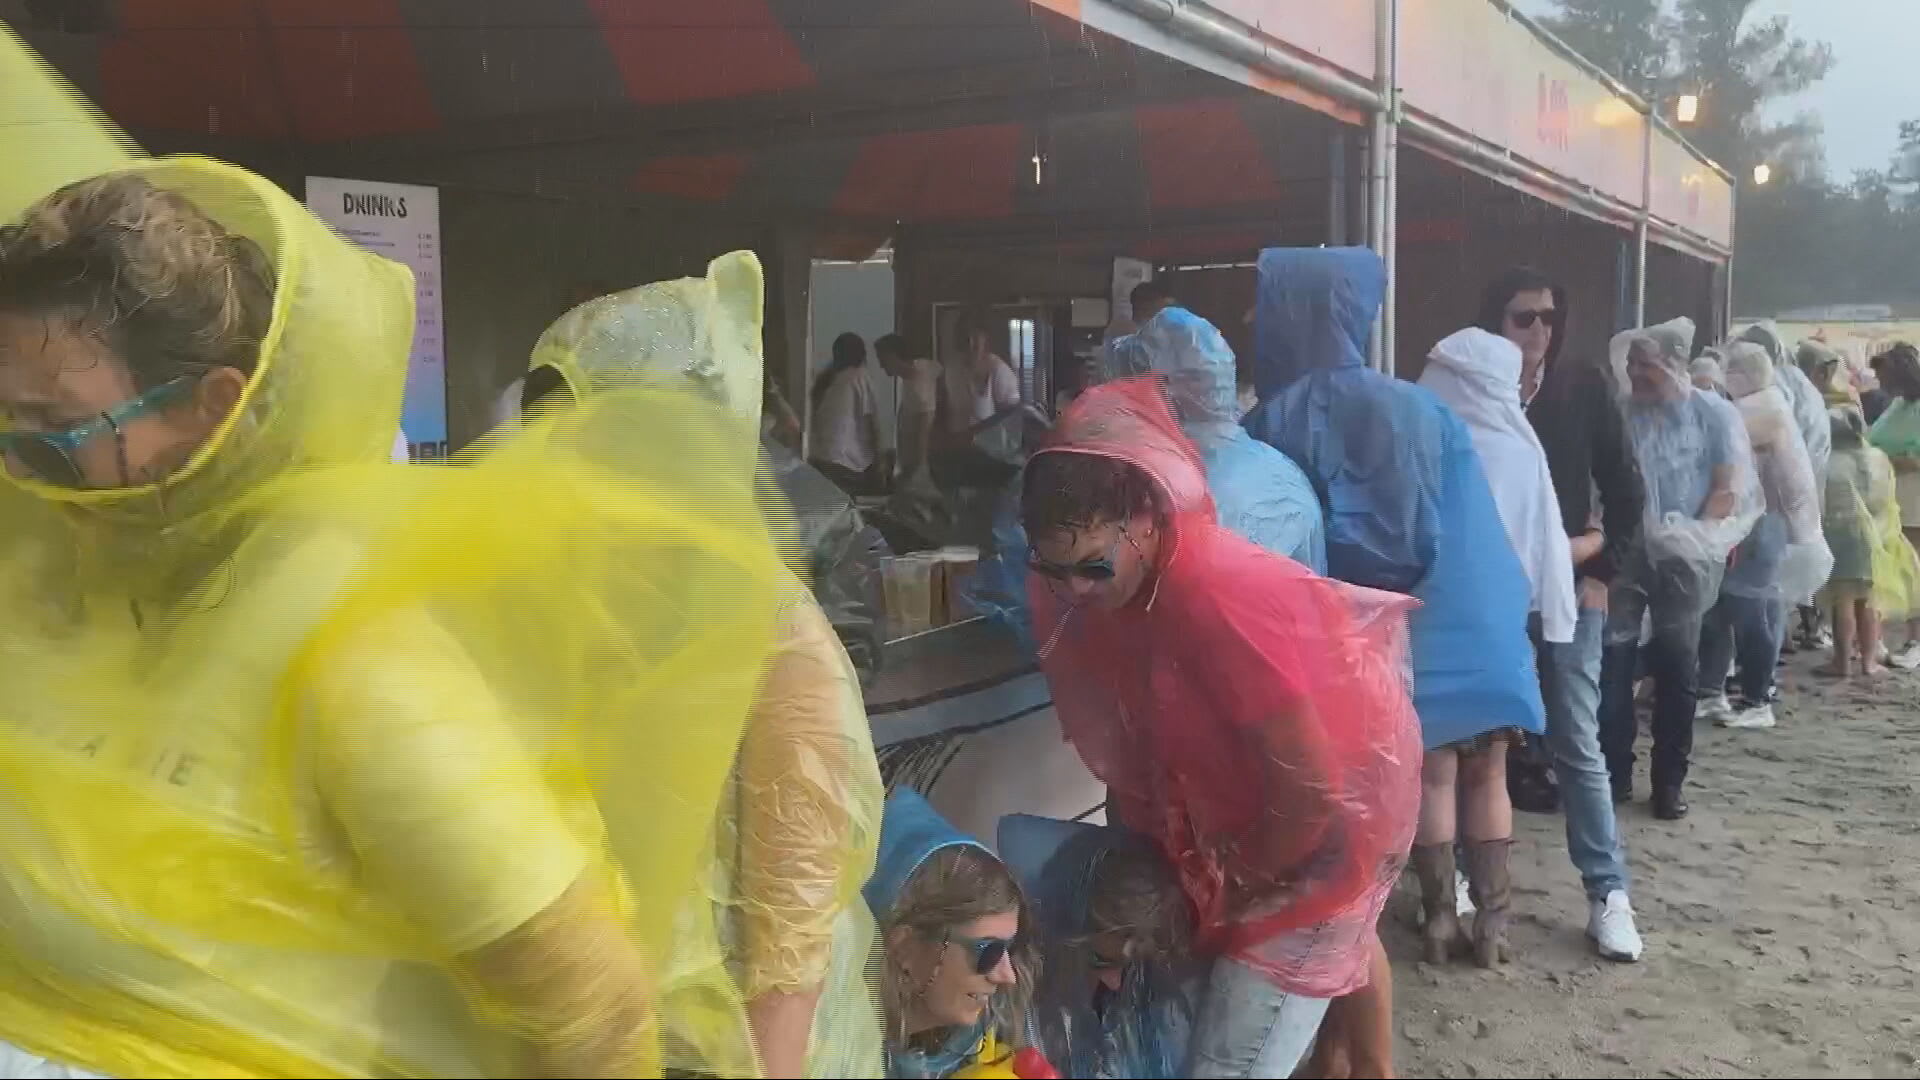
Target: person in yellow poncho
<point x="798" y="836"/>
<point x="1875" y="569"/>
<point x="311" y="765"/>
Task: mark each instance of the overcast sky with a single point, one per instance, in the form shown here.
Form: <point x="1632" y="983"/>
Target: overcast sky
<point x="1875" y="43"/>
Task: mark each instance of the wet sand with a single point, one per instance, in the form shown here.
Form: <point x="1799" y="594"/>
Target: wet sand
<point x="1782" y="918"/>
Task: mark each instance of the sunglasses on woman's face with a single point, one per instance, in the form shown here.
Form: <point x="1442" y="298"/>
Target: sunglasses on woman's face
<point x="49" y="456"/>
<point x="987" y="952"/>
<point x="1526" y="320"/>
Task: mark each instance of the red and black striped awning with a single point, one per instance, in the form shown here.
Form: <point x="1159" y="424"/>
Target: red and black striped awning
<point x="863" y="110"/>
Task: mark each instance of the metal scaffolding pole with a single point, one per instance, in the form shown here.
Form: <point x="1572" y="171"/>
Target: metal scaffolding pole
<point x="1642" y="226"/>
<point x="1383" y="146"/>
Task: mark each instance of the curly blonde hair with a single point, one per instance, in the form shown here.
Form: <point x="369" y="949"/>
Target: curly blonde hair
<point x="170" y="290"/>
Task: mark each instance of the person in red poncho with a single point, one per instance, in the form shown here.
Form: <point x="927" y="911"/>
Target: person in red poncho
<point x="1250" y="718"/>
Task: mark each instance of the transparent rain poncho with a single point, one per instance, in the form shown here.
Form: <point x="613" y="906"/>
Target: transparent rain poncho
<point x="1248" y="717"/>
<point x="1790" y="561"/>
<point x="797" y="833"/>
<point x="1680" y="437"/>
<point x="1259" y="493"/>
<point x="313" y="765"/>
<point x="1807" y="402"/>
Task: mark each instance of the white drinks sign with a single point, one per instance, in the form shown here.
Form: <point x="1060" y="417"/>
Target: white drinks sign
<point x="401" y="222"/>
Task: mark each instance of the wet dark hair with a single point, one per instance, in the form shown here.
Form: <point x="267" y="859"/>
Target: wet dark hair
<point x="1899" y="369"/>
<point x="1067" y="490"/>
<point x="1511" y="283"/>
<point x="849" y="353"/>
<point x="1151" y="291"/>
<point x="169" y="289"/>
<point x="890" y="345"/>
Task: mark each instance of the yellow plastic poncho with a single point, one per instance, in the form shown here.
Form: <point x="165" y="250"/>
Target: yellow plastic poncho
<point x="797" y="838"/>
<point x="1862" y="518"/>
<point x="312" y="765"/>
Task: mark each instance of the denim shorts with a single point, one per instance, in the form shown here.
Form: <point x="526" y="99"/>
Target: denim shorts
<point x="1249" y="1027"/>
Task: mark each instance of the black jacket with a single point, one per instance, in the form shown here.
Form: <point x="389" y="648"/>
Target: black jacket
<point x="1585" y="437"/>
<point x="1578" y="418"/>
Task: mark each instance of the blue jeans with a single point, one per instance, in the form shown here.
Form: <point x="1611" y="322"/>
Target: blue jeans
<point x="1249" y="1027"/>
<point x="1570" y="683"/>
<point x="1751" y="629"/>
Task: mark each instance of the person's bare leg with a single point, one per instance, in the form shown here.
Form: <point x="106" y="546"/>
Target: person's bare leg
<point x="1439" y="773"/>
<point x="1866" y="623"/>
<point x="1356" y="1039"/>
<point x="1843" y="639"/>
<point x="1486" y="808"/>
<point x="1372" y="1022"/>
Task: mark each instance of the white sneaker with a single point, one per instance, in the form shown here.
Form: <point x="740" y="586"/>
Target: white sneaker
<point x="1908" y="658"/>
<point x="1462" y="896"/>
<point x="1752" y="718"/>
<point x="1610" y="925"/>
<point x="1716" y="708"/>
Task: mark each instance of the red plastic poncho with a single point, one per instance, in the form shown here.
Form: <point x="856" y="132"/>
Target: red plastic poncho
<point x="1250" y="717"/>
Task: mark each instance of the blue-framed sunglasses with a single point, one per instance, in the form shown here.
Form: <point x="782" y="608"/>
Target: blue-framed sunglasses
<point x="48" y="456"/>
<point x="1098" y="571"/>
<point x="986" y="952"/>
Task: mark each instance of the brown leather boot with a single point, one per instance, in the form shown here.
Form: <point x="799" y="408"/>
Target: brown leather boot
<point x="1433" y="868"/>
<point x="1491" y="886"/>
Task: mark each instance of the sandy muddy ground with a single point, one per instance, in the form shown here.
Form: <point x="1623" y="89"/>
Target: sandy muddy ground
<point x="1782" y="918"/>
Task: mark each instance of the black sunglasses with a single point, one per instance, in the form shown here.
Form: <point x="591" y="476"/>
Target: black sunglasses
<point x="987" y="952"/>
<point x="1097" y="570"/>
<point x="1094" y="570"/>
<point x="1525" y="320"/>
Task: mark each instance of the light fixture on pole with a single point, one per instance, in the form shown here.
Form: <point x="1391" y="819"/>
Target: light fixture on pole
<point x="1762" y="174"/>
<point x="1688" y="110"/>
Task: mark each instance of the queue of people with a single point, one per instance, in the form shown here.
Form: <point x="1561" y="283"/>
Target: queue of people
<point x="556" y="763"/>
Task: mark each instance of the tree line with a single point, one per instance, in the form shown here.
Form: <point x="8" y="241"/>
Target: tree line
<point x="1804" y="239"/>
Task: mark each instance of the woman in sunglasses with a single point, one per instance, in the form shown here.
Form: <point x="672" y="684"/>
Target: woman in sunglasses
<point x="1250" y="719"/>
<point x="316" y="765"/>
<point x="956" y="948"/>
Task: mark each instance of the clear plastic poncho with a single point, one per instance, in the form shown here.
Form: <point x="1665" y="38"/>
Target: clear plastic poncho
<point x="798" y="830"/>
<point x="317" y="765"/>
<point x="1796" y="559"/>
<point x="1138" y="1032"/>
<point x="1808" y="403"/>
<point x="1680" y="437"/>
<point x="1259" y="493"/>
<point x="1247" y="716"/>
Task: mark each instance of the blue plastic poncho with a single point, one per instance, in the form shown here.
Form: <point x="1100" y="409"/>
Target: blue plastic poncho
<point x="911" y="832"/>
<point x="1258" y="492"/>
<point x="1408" y="506"/>
<point x="1141" y="1029"/>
